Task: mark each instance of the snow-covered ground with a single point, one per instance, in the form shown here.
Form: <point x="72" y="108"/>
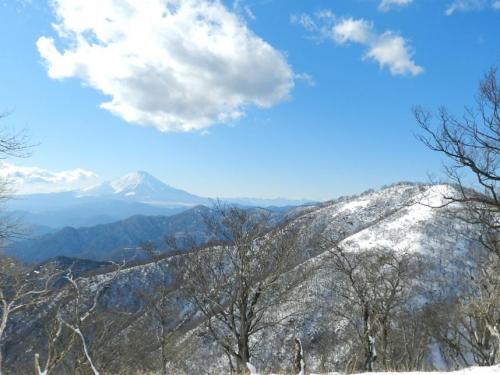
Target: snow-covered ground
<point x="467" y="371"/>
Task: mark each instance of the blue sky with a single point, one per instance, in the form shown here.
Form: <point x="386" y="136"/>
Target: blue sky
<point x="314" y="100"/>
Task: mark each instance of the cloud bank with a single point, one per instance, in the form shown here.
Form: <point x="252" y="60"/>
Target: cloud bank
<point x="176" y="65"/>
<point x="388" y="49"/>
<point x="27" y="180"/>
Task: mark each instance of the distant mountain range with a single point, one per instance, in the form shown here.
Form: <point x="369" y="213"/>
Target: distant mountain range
<point x="122" y="239"/>
<point x="116" y="240"/>
<point x="137" y="193"/>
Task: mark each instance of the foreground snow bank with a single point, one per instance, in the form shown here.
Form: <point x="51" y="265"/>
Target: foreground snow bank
<point x="468" y="371"/>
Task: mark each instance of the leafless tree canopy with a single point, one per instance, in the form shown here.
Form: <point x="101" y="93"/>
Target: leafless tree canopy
<point x="13" y="144"/>
<point x="471" y="144"/>
<point x="237" y="284"/>
<point x="372" y="292"/>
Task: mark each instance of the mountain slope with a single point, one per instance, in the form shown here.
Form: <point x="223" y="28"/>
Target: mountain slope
<point x="397" y="218"/>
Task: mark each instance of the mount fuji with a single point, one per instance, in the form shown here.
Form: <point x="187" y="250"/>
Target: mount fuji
<point x="137" y="193"/>
<point x="142" y="187"/>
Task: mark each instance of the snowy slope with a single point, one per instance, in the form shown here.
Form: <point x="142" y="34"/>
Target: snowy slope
<point x="396" y="217"/>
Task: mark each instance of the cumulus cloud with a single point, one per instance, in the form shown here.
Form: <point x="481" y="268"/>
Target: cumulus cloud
<point x="392" y="50"/>
<point x="386" y="5"/>
<point x="389" y="49"/>
<point x="27" y="180"/>
<point x="176" y="65"/>
<point x="471" y="5"/>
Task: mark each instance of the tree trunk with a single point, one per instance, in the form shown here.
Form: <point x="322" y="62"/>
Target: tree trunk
<point x="299" y="365"/>
<point x="243" y="355"/>
<point x="385" y="336"/>
<point x="3" y="326"/>
<point x="38" y="369"/>
<point x="370" y="340"/>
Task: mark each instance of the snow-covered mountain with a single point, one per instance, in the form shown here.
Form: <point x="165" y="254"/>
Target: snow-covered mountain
<point x="142" y="187"/>
<point x="398" y="218"/>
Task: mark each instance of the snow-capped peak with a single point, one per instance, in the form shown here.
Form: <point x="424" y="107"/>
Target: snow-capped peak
<point x="136" y="180"/>
<point x="140" y="186"/>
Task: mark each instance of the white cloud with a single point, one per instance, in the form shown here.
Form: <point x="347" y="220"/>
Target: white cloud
<point x="386" y="5"/>
<point x="304" y="20"/>
<point x="176" y="65"/>
<point x="465" y="6"/>
<point x="243" y="9"/>
<point x="351" y="30"/>
<point x="496" y="4"/>
<point x="26" y="180"/>
<point x="392" y="50"/>
<point x="388" y="49"/>
<point x="307" y="78"/>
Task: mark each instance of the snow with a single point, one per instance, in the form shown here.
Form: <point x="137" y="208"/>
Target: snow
<point x="351" y="206"/>
<point x="251" y="368"/>
<point x="468" y="371"/>
<point x="493" y="370"/>
<point x="131" y="181"/>
<point x="406" y="229"/>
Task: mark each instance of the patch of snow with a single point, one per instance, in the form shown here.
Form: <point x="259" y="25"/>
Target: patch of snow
<point x="251" y="368"/>
<point x="493" y="370"/>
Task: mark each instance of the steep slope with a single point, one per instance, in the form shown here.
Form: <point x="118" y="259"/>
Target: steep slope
<point x="397" y="217"/>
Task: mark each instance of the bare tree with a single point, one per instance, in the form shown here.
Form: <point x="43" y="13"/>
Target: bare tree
<point x="371" y="291"/>
<point x="79" y="310"/>
<point x="59" y="343"/>
<point x="236" y="284"/>
<point x="12" y="144"/>
<point x="20" y="289"/>
<point x="161" y="304"/>
<point x="466" y="322"/>
<point x="471" y="143"/>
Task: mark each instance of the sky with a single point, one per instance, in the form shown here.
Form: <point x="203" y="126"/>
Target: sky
<point x="259" y="98"/>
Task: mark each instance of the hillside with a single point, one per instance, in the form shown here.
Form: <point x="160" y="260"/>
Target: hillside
<point x="397" y="218"/>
